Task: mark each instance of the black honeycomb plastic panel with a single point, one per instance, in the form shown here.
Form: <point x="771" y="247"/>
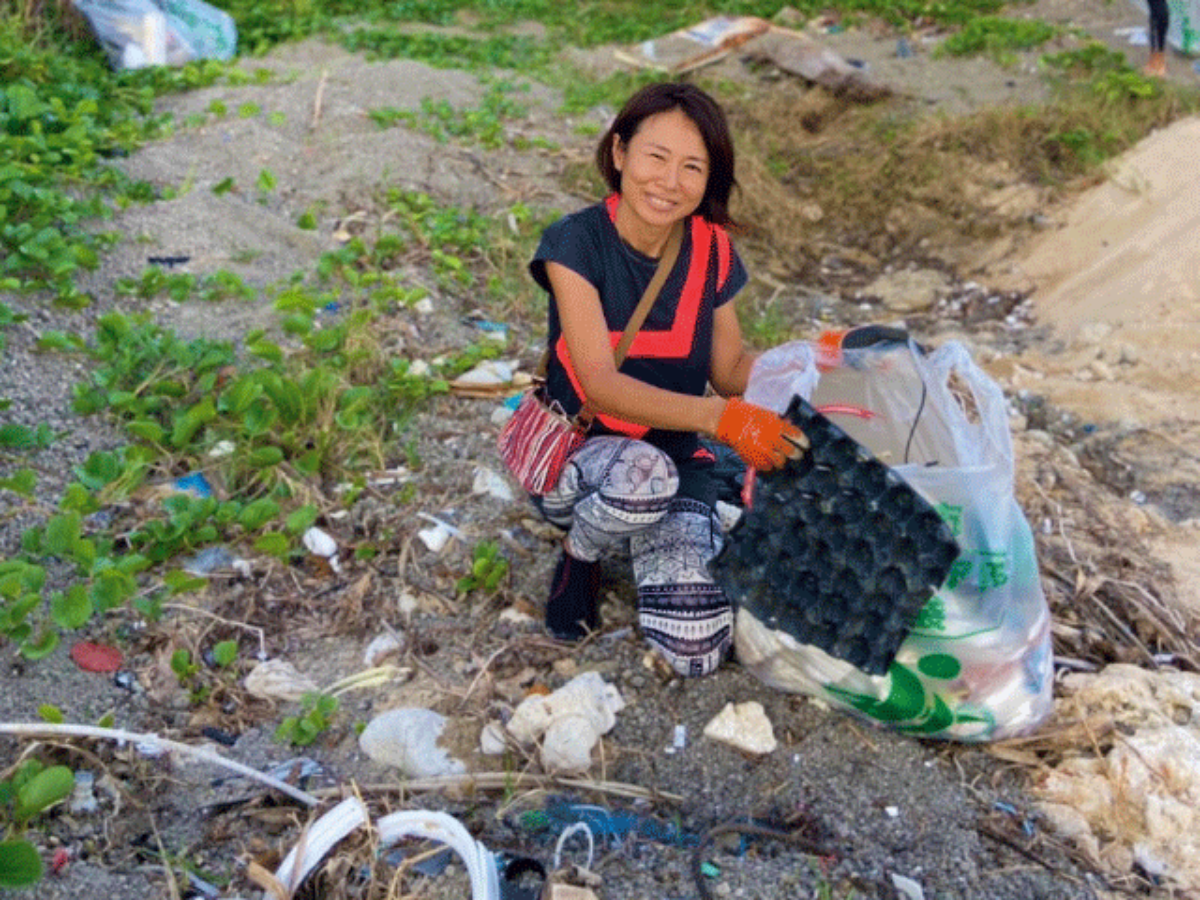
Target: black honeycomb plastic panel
<point x="837" y="550"/>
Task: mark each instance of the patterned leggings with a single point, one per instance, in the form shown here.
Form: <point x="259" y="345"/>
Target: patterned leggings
<point x="617" y="488"/>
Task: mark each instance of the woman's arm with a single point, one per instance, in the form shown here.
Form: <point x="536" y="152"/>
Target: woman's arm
<point x="607" y="390"/>
<point x="731" y="360"/>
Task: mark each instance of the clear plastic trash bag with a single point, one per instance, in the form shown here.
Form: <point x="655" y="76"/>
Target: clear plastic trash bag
<point x="977" y="665"/>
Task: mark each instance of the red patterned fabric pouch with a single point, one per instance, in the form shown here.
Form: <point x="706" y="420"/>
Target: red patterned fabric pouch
<point x="538" y="440"/>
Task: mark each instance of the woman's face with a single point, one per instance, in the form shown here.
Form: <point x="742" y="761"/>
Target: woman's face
<point x="664" y="168"/>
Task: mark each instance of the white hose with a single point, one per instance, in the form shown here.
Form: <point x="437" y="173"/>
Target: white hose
<point x="436" y="826"/>
<point x="351" y="813"/>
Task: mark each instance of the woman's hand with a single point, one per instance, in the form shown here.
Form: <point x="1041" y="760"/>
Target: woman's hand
<point x="763" y="440"/>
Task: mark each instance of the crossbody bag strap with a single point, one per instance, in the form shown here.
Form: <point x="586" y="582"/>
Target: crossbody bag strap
<point x="666" y="263"/>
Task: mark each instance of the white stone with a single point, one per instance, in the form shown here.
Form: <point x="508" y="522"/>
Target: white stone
<point x="435" y="538"/>
<point x="407" y="739"/>
<point x="745" y="727"/>
<point x="407" y="604"/>
<point x="491" y="740"/>
<point x="568" y="742"/>
<point x="907" y="888"/>
<point x="490" y="482"/>
<point x="278" y="679"/>
<point x="516" y="616"/>
<point x="320" y="543"/>
<point x="381" y="647"/>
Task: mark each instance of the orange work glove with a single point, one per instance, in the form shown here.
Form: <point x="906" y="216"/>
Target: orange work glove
<point x="762" y="439"/>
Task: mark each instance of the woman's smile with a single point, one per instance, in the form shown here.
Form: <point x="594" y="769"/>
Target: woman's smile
<point x="664" y="174"/>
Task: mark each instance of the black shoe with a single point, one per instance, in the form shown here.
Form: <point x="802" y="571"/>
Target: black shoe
<point x="572" y="609"/>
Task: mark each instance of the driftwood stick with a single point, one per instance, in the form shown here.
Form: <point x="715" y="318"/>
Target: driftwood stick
<point x="37" y="729"/>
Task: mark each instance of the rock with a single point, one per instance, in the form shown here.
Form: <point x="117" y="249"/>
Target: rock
<point x="277" y="679"/>
<point x="407" y="739"/>
<point x="382" y="647"/>
<point x="516" y="616"/>
<point x="320" y="543"/>
<point x="908" y="290"/>
<point x="491" y="740"/>
<point x="488" y="481"/>
<point x="743" y="726"/>
<point x="1094" y="332"/>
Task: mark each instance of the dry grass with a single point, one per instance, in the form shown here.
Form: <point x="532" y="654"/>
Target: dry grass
<point x="821" y="174"/>
<point x="46" y="19"/>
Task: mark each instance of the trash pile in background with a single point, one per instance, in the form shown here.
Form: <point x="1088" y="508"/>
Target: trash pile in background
<point x="139" y="33"/>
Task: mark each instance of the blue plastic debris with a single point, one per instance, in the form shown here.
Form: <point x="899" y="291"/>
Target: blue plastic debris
<point x="609" y="825"/>
<point x="195" y="484"/>
<point x="488" y="325"/>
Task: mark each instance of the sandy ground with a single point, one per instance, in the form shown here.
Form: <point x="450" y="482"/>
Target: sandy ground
<point x="1114" y="284"/>
<point x="1118" y="281"/>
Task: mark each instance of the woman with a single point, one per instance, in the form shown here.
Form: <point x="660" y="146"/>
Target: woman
<point x="643" y="474"/>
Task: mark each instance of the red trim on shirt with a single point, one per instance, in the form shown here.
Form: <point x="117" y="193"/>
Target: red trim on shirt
<point x="675" y="342"/>
<point x="672" y="343"/>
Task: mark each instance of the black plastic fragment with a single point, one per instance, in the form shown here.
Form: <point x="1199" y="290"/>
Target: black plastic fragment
<point x="837" y="549"/>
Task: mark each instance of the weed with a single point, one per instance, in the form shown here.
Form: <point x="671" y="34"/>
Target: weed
<point x="315" y="717"/>
<point x="998" y="38"/>
<point x="223" y="285"/>
<point x="489" y="52"/>
<point x="484" y="125"/>
<point x="488" y="569"/>
<point x="28" y="791"/>
<point x="200" y="681"/>
<point x="22" y="437"/>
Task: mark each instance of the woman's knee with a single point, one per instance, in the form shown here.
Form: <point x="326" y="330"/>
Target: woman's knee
<point x="641" y="470"/>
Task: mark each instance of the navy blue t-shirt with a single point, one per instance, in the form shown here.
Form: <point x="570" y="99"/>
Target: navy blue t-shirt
<point x="673" y="349"/>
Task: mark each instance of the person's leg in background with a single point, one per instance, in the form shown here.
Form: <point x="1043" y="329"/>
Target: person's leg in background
<point x="1160" y="20"/>
<point x="613" y="488"/>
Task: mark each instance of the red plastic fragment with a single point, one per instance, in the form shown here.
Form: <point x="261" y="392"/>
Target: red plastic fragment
<point x="97" y="657"/>
<point x="62" y="856"/>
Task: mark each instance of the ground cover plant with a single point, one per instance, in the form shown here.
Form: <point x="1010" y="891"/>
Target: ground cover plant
<point x="288" y="424"/>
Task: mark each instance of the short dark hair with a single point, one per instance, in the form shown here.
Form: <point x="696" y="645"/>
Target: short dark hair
<point x="708" y="117"/>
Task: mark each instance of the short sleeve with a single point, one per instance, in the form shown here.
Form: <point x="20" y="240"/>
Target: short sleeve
<point x="570" y="242"/>
<point x="734" y="281"/>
